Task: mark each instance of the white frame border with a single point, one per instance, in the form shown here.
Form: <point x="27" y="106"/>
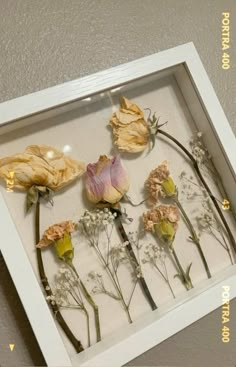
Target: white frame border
<point x="144" y="334"/>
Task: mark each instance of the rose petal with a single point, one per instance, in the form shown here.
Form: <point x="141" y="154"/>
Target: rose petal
<point x="119" y="177"/>
<point x="93" y="185"/>
<point x="110" y="193"/>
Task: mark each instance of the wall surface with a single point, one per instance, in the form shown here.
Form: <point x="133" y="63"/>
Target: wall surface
<point x="46" y="42"/>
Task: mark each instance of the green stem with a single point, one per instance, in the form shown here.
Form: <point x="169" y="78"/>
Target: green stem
<point x="165" y="279"/>
<point x="134" y="262"/>
<point x="194" y="236"/>
<point x="185" y="278"/>
<point x="90" y="301"/>
<point x="113" y="280"/>
<point x="55" y="309"/>
<point x="119" y="291"/>
<point x="199" y="174"/>
<point x="88" y="328"/>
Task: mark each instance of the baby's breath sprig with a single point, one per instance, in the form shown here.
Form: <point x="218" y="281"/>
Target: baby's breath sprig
<point x="94" y="224"/>
<point x="155" y="256"/>
<point x="207" y="220"/>
<point x="206" y="162"/>
<point x="196" y="167"/>
<point x="67" y="293"/>
<point x="133" y="259"/>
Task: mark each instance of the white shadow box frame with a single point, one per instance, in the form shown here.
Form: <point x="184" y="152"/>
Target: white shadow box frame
<point x="184" y="65"/>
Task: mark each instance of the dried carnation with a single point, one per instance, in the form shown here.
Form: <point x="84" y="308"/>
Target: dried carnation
<point x="160" y="183"/>
<point x="56" y="232"/>
<point x="162" y="212"/>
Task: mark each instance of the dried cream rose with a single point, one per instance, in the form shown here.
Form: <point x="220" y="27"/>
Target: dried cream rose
<point x="130" y="130"/>
<point x="40" y="165"/>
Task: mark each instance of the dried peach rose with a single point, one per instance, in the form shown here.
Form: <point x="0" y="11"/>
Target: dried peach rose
<point x="40" y="165"/>
<point x="130" y="130"/>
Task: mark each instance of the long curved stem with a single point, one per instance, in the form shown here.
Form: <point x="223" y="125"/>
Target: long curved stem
<point x="199" y="174"/>
<point x="134" y="261"/>
<point x="90" y="301"/>
<point x="194" y="236"/>
<point x="55" y="309"/>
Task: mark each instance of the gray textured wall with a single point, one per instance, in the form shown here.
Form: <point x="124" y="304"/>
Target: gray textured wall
<point x="46" y="42"/>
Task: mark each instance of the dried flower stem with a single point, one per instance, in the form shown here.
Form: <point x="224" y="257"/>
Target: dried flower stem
<point x="194" y="236"/>
<point x="107" y="261"/>
<point x="199" y="174"/>
<point x="165" y="277"/>
<point x="90" y="301"/>
<point x="55" y="309"/>
<point x="186" y="280"/>
<point x="115" y="281"/>
<point x="134" y="261"/>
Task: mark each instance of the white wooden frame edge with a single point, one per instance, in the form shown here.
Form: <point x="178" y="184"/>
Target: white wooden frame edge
<point x="19" y="265"/>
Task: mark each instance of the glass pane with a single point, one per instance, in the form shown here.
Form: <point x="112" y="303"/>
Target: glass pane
<point x="185" y="243"/>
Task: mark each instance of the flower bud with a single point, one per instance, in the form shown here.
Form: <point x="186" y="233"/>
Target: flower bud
<point x="64" y="248"/>
<point x="168" y="187"/>
<point x="165" y="230"/>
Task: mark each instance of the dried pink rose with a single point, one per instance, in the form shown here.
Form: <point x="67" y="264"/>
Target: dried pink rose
<point x="106" y="180"/>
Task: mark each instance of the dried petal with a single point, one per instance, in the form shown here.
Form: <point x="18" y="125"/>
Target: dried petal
<point x="40" y="165"/>
<point x="106" y="180"/>
<point x="130" y="130"/>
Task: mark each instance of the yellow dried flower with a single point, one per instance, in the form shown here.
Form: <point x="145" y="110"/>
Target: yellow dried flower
<point x="130" y="130"/>
<point x="40" y="165"/>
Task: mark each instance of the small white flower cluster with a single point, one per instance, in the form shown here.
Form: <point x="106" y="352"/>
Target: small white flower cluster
<point x="96" y="219"/>
<point x="199" y="151"/>
<point x="97" y="279"/>
<point x="153" y="254"/>
<point x="206" y="219"/>
<point x="134" y="239"/>
<point x="138" y="272"/>
<point x="190" y="188"/>
<point x="118" y="252"/>
<point x="65" y="284"/>
<point x="99" y="287"/>
<point x="51" y="299"/>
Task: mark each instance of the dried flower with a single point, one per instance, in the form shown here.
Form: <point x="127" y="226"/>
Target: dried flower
<point x="59" y="235"/>
<point x="40" y="165"/>
<point x="160" y="183"/>
<point x="130" y="130"/>
<point x="106" y="180"/>
<point x="162" y="221"/>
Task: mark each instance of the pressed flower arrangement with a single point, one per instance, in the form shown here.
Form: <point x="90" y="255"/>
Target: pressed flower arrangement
<point x="126" y="230"/>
